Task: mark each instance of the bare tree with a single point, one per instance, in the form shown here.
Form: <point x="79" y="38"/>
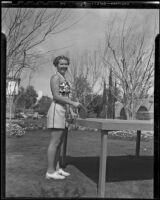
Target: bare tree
<point x="84" y="65"/>
<point x="25" y="29"/>
<point x="131" y="60"/>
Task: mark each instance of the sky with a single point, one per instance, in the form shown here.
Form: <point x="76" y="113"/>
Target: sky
<point x="84" y="35"/>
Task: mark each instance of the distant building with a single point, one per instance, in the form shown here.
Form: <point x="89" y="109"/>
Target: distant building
<point x="145" y="109"/>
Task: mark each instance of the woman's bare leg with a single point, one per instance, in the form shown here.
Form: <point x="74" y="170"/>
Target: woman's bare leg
<point x="57" y="162"/>
<point x="58" y="158"/>
<point x="55" y="141"/>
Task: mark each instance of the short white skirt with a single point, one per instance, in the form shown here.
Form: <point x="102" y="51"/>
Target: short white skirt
<point x="56" y="116"/>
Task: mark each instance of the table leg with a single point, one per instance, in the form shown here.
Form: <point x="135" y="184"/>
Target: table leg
<point x="138" y="140"/>
<point x="102" y="167"/>
<point x="64" y="148"/>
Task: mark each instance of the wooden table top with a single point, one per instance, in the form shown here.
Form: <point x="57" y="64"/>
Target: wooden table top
<point x="116" y="124"/>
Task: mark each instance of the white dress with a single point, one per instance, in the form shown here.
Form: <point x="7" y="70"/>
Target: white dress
<point x="56" y="116"/>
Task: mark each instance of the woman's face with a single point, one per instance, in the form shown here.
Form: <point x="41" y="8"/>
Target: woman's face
<point x="62" y="66"/>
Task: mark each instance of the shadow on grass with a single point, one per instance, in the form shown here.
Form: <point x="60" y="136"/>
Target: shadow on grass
<point x="119" y="168"/>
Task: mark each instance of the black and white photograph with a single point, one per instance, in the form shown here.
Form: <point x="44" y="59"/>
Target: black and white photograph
<point x="79" y="86"/>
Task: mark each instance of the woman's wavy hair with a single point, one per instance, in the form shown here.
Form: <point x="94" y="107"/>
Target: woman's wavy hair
<point x="56" y="60"/>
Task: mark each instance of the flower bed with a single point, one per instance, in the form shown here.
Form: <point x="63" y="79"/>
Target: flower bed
<point x="13" y="129"/>
<point x="32" y="124"/>
<point x="19" y="127"/>
<point x="124" y="134"/>
<point x="145" y="135"/>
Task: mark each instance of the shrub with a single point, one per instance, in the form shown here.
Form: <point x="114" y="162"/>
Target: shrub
<point x="14" y="129"/>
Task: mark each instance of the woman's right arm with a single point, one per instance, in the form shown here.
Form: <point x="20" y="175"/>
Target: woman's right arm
<point x="54" y="84"/>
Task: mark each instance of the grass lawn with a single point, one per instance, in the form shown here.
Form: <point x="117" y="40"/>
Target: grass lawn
<point x="127" y="176"/>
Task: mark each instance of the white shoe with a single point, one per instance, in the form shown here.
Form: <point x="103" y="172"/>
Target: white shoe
<point x="54" y="175"/>
<point x="62" y="172"/>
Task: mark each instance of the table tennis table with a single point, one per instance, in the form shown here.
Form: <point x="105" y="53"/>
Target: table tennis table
<point x="105" y="126"/>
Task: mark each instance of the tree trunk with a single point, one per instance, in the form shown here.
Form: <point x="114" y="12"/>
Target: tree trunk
<point x="110" y="107"/>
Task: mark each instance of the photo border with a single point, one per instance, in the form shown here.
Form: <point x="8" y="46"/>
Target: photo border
<point x="83" y="5"/>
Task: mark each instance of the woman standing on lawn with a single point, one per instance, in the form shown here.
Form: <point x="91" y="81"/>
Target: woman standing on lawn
<point x="56" y="117"/>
